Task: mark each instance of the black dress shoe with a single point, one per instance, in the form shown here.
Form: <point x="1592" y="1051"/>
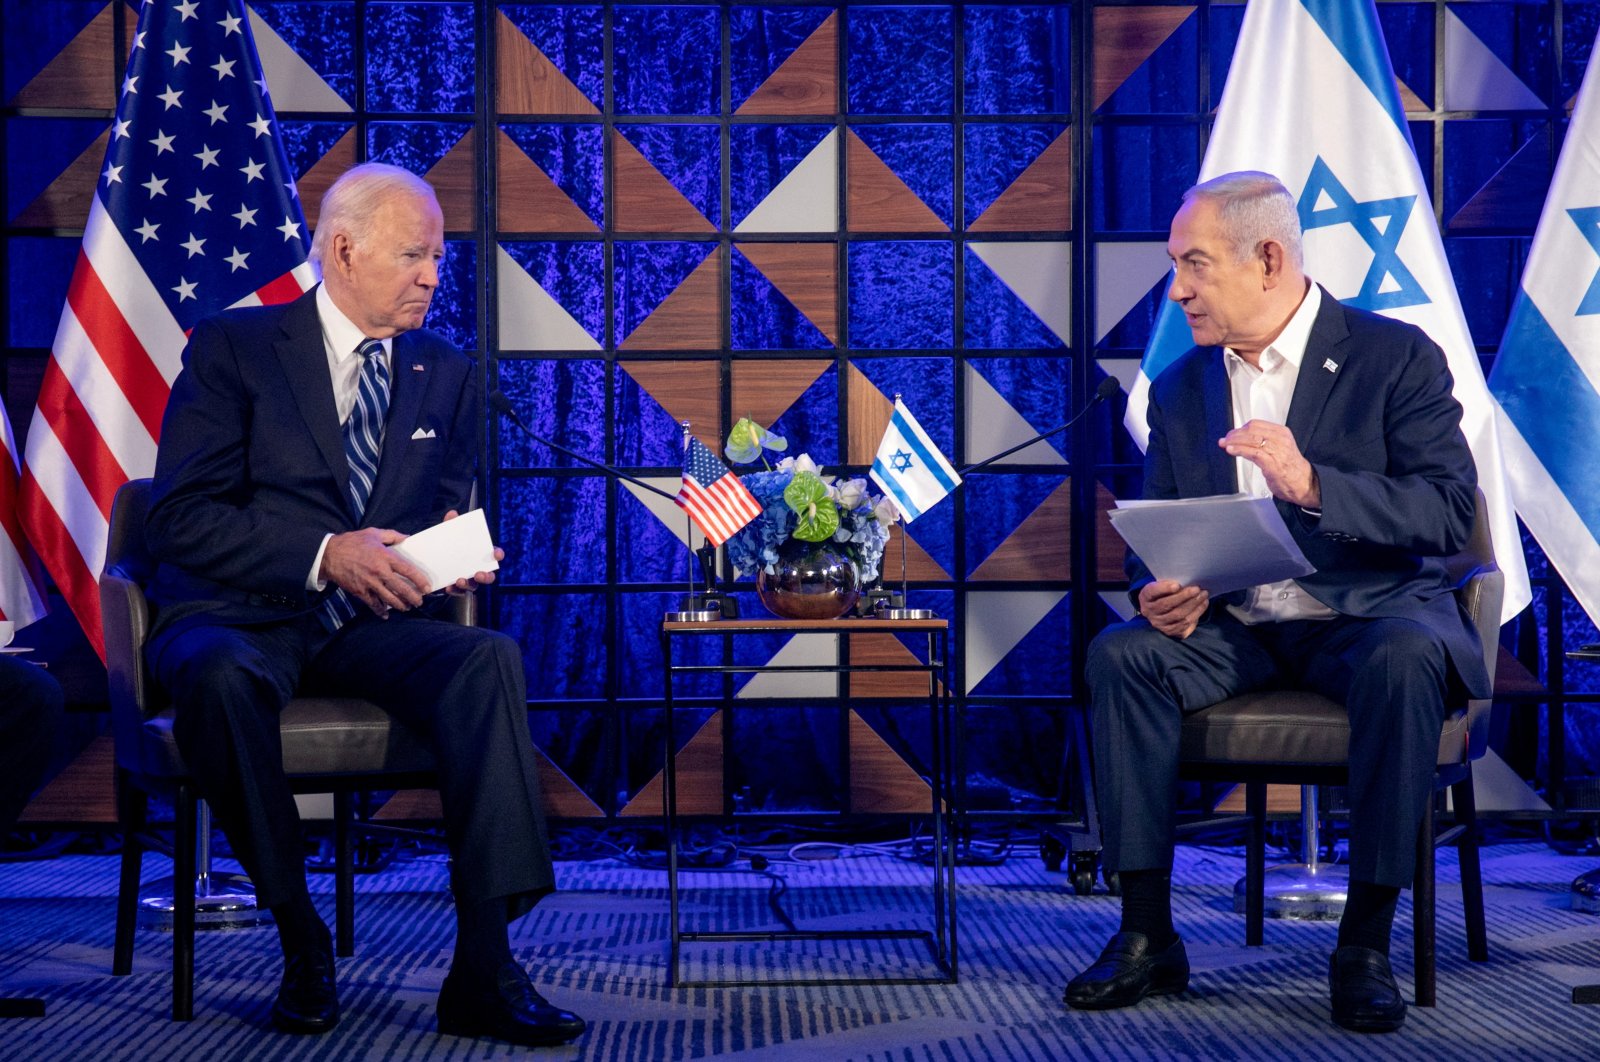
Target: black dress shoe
<point x="1365" y="997"/>
<point x="307" y="1002"/>
<point x="510" y="1010"/>
<point x="1127" y="971"/>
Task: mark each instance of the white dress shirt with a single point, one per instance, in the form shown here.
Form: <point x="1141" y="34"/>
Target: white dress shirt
<point x="341" y="341"/>
<point x="1264" y="394"/>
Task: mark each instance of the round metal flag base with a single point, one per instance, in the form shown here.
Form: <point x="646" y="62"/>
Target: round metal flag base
<point x="222" y="901"/>
<point x="904" y="614"/>
<point x="706" y="615"/>
<point x="1586" y="891"/>
<point x="1301" y="892"/>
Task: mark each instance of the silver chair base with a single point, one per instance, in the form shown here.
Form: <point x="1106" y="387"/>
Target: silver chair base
<point x="221" y="901"/>
<point x="1301" y="892"/>
<point x="1586" y="891"/>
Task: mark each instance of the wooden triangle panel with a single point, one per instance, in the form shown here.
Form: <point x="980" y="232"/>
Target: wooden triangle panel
<point x="1110" y="549"/>
<point x="688" y="319"/>
<point x="867" y="416"/>
<point x="455" y="182"/>
<point x="1124" y="37"/>
<point x="644" y="200"/>
<point x="881" y="782"/>
<point x="81" y="74"/>
<point x="561" y="796"/>
<point x="764" y="390"/>
<point x="699" y="776"/>
<point x="877" y="199"/>
<point x="1513" y="197"/>
<point x="1410" y="102"/>
<point x="527" y="200"/>
<point x="528" y="82"/>
<point x="64" y="204"/>
<point x="883" y="649"/>
<point x="805" y="83"/>
<point x="687" y="390"/>
<point x="316" y="181"/>
<point x="1281" y="800"/>
<point x="84" y="791"/>
<point x="1040" y="199"/>
<point x="919" y="564"/>
<point x="807" y="274"/>
<point x="1040" y="547"/>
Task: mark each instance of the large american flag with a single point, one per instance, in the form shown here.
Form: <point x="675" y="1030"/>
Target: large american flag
<point x="195" y="211"/>
<point x="712" y="495"/>
<point x="21" y="601"/>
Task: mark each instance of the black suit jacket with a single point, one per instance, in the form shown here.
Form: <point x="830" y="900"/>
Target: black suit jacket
<point x="1374" y="414"/>
<point x="251" y="472"/>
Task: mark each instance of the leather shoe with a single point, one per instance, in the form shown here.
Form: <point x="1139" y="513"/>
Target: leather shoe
<point x="307" y="1001"/>
<point x="1127" y="971"/>
<point x="1365" y="997"/>
<point x="510" y="1010"/>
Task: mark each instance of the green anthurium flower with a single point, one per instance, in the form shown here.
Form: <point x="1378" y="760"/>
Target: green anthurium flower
<point x="748" y="439"/>
<point x="818" y="516"/>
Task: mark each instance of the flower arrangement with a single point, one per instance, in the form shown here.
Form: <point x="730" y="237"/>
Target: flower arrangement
<point x="799" y="502"/>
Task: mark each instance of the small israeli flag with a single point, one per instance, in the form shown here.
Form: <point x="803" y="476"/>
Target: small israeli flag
<point x="909" y="468"/>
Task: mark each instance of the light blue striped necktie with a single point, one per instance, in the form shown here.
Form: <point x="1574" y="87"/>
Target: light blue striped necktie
<point x="363" y="445"/>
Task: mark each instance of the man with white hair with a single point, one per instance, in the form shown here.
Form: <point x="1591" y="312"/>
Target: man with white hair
<point x="300" y="443"/>
<point x="1347" y="420"/>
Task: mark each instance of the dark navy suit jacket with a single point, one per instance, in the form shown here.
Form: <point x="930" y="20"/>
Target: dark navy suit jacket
<point x="1373" y="412"/>
<point x="251" y="472"/>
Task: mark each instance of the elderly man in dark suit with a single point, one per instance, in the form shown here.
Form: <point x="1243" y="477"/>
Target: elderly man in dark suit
<point x="1347" y="419"/>
<point x="300" y="443"/>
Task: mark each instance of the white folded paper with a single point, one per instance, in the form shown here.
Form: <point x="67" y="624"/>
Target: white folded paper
<point x="451" y="550"/>
<point x="1220" y="543"/>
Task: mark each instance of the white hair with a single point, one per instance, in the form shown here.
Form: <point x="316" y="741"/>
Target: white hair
<point x="352" y="200"/>
<point x="1253" y="207"/>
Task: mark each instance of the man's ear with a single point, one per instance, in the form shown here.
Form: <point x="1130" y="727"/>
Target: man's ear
<point x="1270" y="254"/>
<point x="340" y="251"/>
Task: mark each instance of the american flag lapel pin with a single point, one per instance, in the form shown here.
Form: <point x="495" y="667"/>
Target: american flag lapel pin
<point x="1330" y="365"/>
<point x="416" y="366"/>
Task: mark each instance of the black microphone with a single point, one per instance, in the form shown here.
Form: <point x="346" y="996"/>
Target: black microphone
<point x="502" y="404"/>
<point x="1107" y="388"/>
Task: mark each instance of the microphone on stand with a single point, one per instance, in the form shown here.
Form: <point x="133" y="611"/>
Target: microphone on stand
<point x="502" y="404"/>
<point x="1108" y="387"/>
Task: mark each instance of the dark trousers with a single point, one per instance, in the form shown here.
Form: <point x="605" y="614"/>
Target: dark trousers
<point x="30" y="716"/>
<point x="1391" y="675"/>
<point x="460" y="688"/>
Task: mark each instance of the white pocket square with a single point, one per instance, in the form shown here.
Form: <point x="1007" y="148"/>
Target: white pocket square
<point x="423" y="433"/>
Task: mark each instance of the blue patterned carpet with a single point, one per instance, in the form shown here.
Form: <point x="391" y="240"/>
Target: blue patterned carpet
<point x="599" y="947"/>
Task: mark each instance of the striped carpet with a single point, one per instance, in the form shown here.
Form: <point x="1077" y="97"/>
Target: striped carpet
<point x="599" y="947"/>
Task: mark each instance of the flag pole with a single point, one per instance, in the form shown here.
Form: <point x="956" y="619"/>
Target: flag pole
<point x="697" y="606"/>
<point x="899" y="610"/>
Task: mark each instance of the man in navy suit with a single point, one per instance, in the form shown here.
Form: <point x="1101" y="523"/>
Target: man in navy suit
<point x="1347" y="419"/>
<point x="300" y="443"/>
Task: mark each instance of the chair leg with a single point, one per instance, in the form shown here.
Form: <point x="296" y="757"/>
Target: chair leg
<point x="1255" y="863"/>
<point x="132" y="806"/>
<point x="1471" y="870"/>
<point x="1422" y="913"/>
<point x="344" y="889"/>
<point x="183" y="871"/>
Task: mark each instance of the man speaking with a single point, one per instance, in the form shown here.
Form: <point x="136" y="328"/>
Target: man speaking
<point x="1347" y="419"/>
<point x="300" y="443"/>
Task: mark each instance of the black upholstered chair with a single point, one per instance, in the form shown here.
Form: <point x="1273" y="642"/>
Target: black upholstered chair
<point x="330" y="744"/>
<point x="1298" y="738"/>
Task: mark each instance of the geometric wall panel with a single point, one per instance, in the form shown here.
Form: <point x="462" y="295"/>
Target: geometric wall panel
<point x="80" y="74"/>
<point x="530" y="317"/>
<point x="1124" y="37"/>
<point x="879" y="201"/>
<point x="1475" y="78"/>
<point x="294" y="85"/>
<point x="807" y="82"/>
<point x="1040" y="273"/>
<point x="65" y="203"/>
<point x="806" y="199"/>
<point x="527" y="199"/>
<point x="645" y="200"/>
<point x="1040" y="199"/>
<point x="807" y="274"/>
<point x="994" y="425"/>
<point x="527" y="82"/>
<point x="997" y="621"/>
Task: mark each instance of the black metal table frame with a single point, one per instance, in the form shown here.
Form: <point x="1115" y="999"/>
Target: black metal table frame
<point x="941" y="939"/>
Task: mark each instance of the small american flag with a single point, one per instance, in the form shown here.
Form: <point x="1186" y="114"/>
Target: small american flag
<point x="195" y="211"/>
<point x="713" y="496"/>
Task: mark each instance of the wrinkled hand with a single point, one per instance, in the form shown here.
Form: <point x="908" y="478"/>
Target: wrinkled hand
<point x="466" y="586"/>
<point x="362" y="564"/>
<point x="1172" y="609"/>
<point x="1271" y="448"/>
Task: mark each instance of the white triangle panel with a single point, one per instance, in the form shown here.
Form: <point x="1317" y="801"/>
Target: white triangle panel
<point x="291" y="82"/>
<point x="997" y="621"/>
<point x="993" y="425"/>
<point x="1474" y="77"/>
<point x="803" y="650"/>
<point x="530" y="317"/>
<point x="1117" y="601"/>
<point x="1124" y="273"/>
<point x="1038" y="273"/>
<point x="663" y="509"/>
<point x="1124" y="370"/>
<point x="807" y="200"/>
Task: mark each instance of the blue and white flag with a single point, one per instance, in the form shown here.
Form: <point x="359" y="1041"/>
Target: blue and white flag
<point x="1546" y="378"/>
<point x="909" y="468"/>
<point x="1311" y="98"/>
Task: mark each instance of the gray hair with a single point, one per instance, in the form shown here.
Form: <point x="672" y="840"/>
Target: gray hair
<point x="1253" y="207"/>
<point x="352" y="200"/>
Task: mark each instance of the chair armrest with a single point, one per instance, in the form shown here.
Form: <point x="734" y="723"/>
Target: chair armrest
<point x="1481" y="594"/>
<point x="125" y="621"/>
<point x="464" y="609"/>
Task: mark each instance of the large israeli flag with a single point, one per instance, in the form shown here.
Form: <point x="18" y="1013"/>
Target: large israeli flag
<point x="1548" y="371"/>
<point x="1311" y="98"/>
